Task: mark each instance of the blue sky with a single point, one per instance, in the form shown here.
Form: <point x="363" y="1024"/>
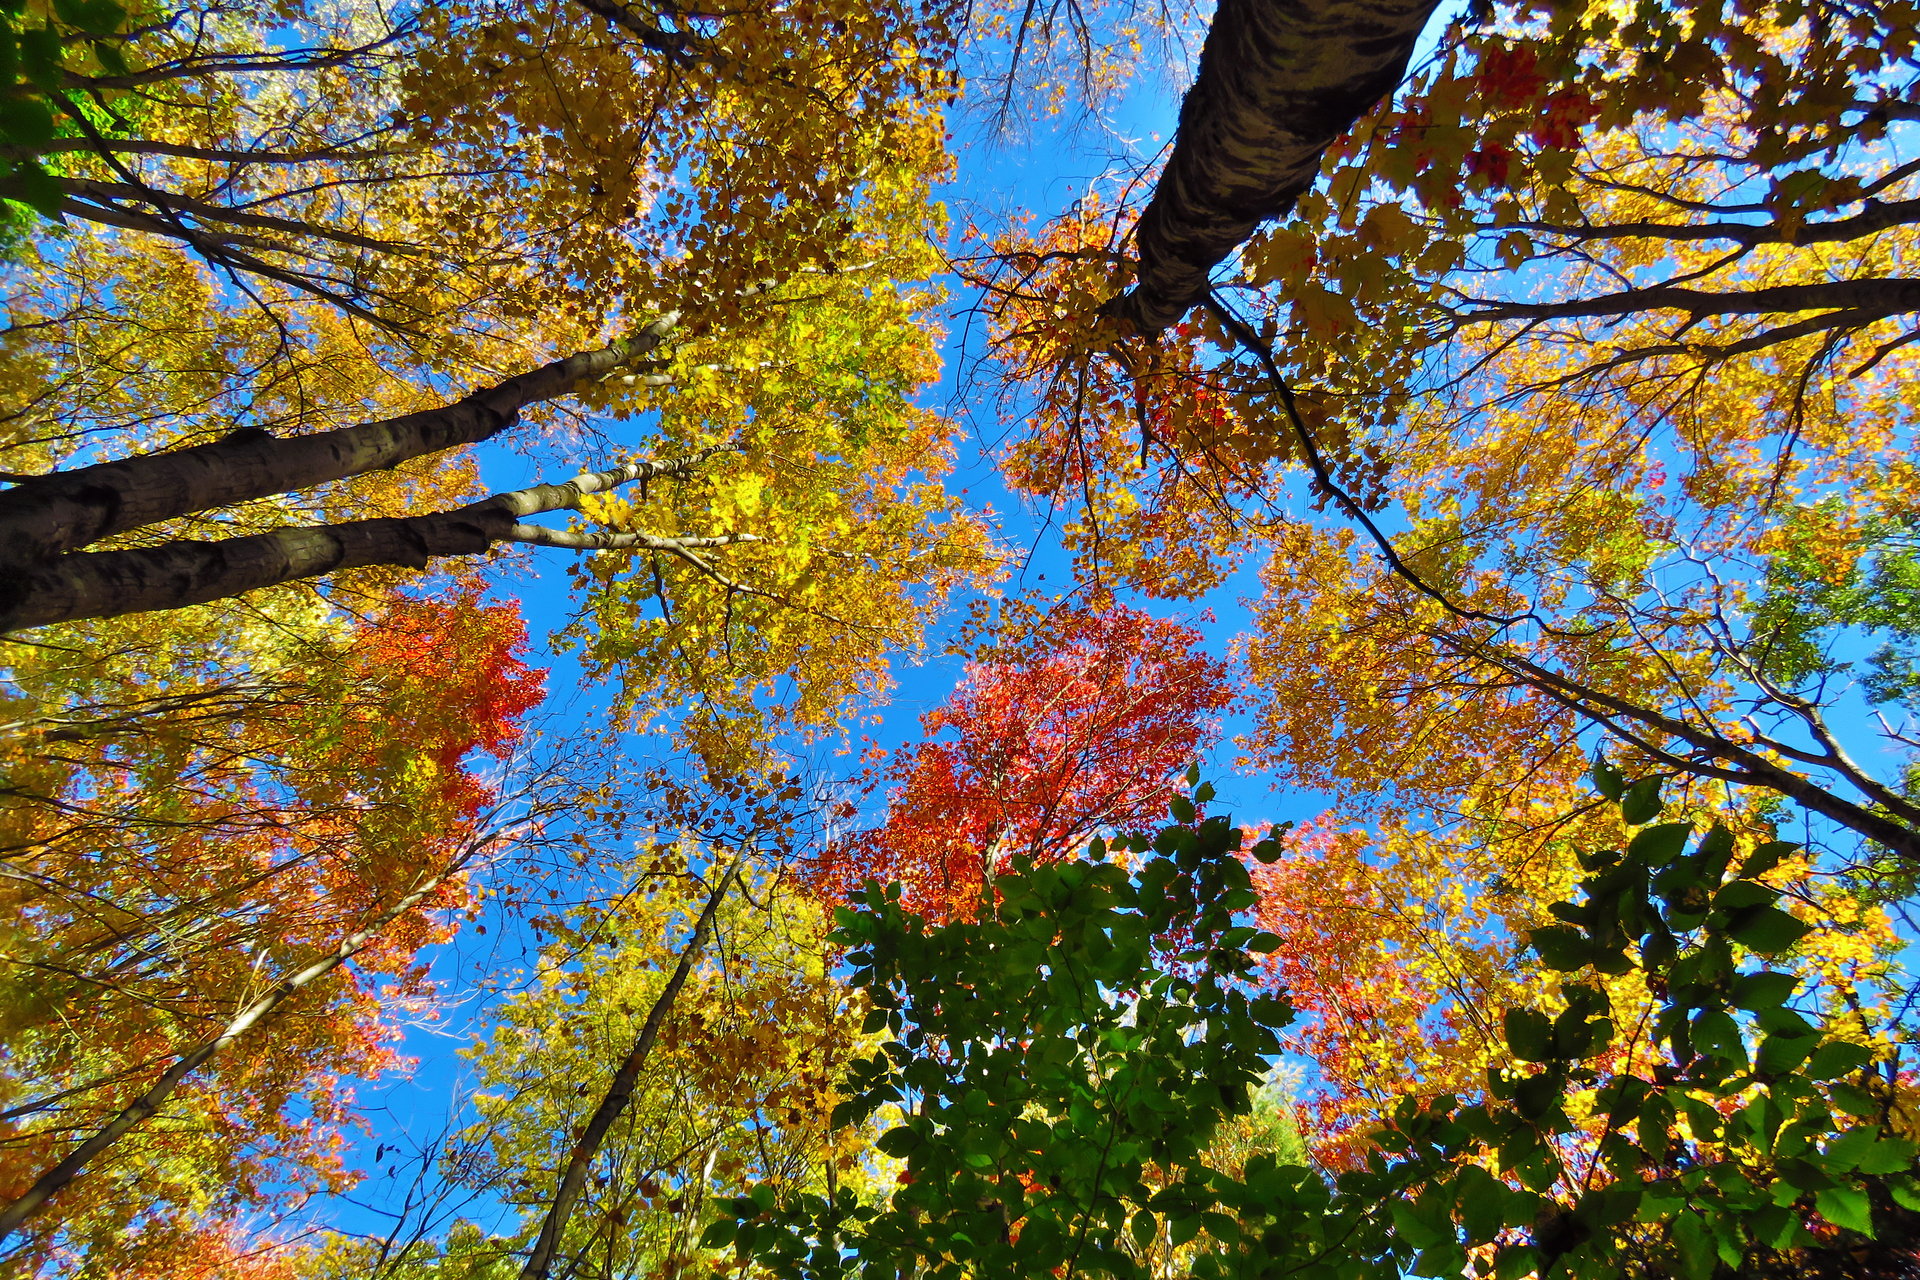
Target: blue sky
<point x="1041" y="169"/>
<point x="1040" y="172"/>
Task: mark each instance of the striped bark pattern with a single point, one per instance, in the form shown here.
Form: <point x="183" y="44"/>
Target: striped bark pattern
<point x="1279" y="81"/>
<point x="45" y="522"/>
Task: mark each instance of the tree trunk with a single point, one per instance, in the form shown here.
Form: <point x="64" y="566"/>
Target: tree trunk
<point x="106" y="584"/>
<point x="174" y="575"/>
<point x="47" y="515"/>
<point x="626" y="1079"/>
<point x="1279" y="81"/>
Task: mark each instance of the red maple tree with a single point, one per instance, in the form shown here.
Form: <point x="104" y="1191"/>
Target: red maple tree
<point x="1082" y="727"/>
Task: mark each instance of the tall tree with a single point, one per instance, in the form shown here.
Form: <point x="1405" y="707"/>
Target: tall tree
<point x="1567" y="410"/>
<point x="225" y="854"/>
<point x="1079" y="721"/>
<point x="1278" y="84"/>
<point x="737" y="1089"/>
<point x="608" y="241"/>
<point x="1565" y="402"/>
<point x="312" y="258"/>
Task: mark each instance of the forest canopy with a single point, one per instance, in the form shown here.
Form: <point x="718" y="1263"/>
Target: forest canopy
<point x="487" y="488"/>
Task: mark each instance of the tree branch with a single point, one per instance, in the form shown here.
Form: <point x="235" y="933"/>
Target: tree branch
<point x="174" y="575"/>
<point x="1752" y="768"/>
<point x="534" y="535"/>
<point x="149" y="1102"/>
<point x="675" y="46"/>
<point x="1877" y="296"/>
<point x="1874" y="218"/>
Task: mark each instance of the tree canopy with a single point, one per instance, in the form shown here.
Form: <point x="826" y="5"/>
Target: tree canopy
<point x="472" y="477"/>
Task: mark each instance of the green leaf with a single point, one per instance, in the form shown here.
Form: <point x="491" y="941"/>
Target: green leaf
<point x="1766" y="930"/>
<point x="1607" y="780"/>
<point x="1846" y="1207"/>
<point x="1658" y="845"/>
<point x="1714" y="851"/>
<point x="25" y="122"/>
<point x="1535" y="1096"/>
<point x="1764" y="990"/>
<point x="1446" y="1259"/>
<point x="1560" y="947"/>
<point x="1766" y="857"/>
<point x="1715" y="1033"/>
<point x="103" y="17"/>
<point x="1640" y="803"/>
<point x="40" y="57"/>
<point x="900" y="1142"/>
<point x="1844" y="1153"/>
<point x="1482" y="1203"/>
<point x="1863" y="1150"/>
<point x="1838" y="1058"/>
<point x="1419" y="1227"/>
<point x="37" y="189"/>
<point x="1515" y="1261"/>
<point x="1529" y="1034"/>
<point x="1738" y="895"/>
<point x="1780" y="1054"/>
<point x="1222" y="1227"/>
<point x="1888" y="1156"/>
<point x="1699" y="1257"/>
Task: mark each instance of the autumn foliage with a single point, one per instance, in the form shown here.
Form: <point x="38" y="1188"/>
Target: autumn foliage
<point x="1077" y="727"/>
<point x="1566" y="412"/>
<point x="188" y="852"/>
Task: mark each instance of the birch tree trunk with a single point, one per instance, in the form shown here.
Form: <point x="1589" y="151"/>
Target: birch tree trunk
<point x="1279" y="80"/>
<point x="174" y="575"/>
<point x="48" y="515"/>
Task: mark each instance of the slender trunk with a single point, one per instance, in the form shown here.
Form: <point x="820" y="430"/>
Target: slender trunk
<point x="47" y="515"/>
<point x="17" y="1212"/>
<point x="1279" y="81"/>
<point x="540" y="1261"/>
<point x="174" y="575"/>
<point x="106" y="584"/>
<point x="1745" y="765"/>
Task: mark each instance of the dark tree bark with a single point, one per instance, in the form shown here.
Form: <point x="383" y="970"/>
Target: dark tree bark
<point x="1870" y="296"/>
<point x="175" y="575"/>
<point x="47" y="515"/>
<point x="1279" y="81"/>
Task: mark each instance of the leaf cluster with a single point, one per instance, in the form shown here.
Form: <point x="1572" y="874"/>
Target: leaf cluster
<point x="1059" y="1068"/>
<point x="1740" y="1133"/>
<point x="1059" y="1063"/>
